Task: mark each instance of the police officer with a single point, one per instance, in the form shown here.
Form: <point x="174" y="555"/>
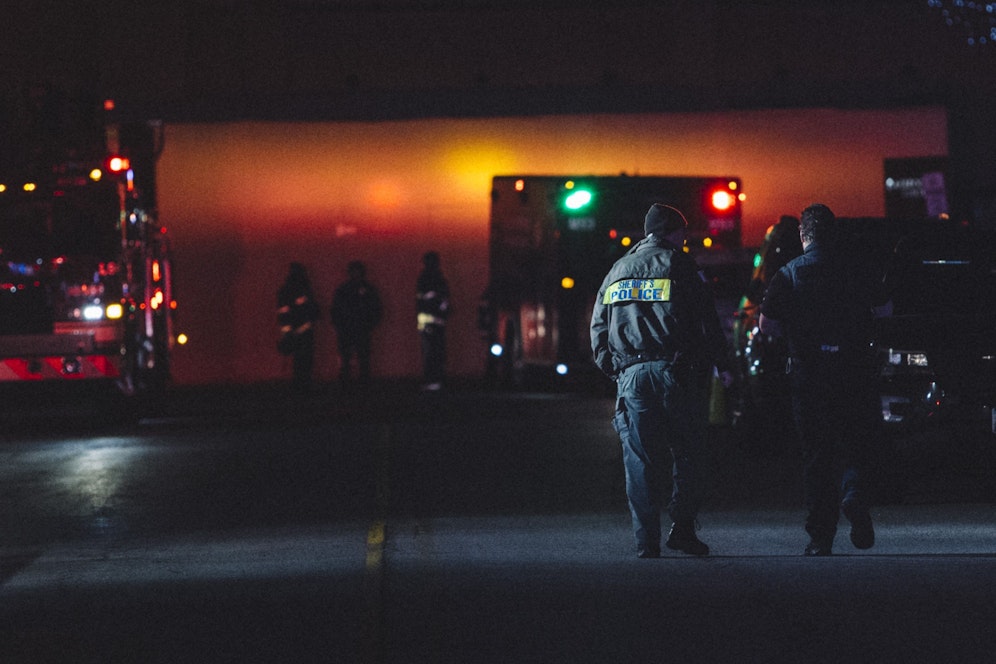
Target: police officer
<point x="823" y="302"/>
<point x="654" y="330"/>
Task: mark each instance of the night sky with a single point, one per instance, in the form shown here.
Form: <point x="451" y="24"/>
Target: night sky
<point x="370" y="59"/>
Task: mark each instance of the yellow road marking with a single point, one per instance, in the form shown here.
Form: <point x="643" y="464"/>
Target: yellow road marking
<point x="376" y="537"/>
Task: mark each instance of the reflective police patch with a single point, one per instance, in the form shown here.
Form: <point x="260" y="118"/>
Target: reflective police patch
<point x="638" y="290"/>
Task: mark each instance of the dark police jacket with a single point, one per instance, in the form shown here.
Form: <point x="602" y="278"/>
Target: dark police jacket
<point x="654" y="304"/>
<point x="356" y="309"/>
<point x="824" y="302"/>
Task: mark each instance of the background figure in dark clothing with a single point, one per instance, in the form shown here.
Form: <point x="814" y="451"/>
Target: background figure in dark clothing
<point x="824" y="303"/>
<point x="296" y="315"/>
<point x="356" y="311"/>
<point x="782" y="244"/>
<point x="432" y="305"/>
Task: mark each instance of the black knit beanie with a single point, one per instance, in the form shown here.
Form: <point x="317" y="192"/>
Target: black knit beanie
<point x="663" y="220"/>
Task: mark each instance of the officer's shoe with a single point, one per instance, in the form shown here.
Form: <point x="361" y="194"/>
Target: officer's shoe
<point x="682" y="538"/>
<point x="862" y="530"/>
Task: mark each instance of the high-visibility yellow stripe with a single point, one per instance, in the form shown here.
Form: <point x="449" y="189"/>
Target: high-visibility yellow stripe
<point x="638" y="290"/>
<point x="376" y="537"/>
<point x="423" y="320"/>
<point x="375" y="547"/>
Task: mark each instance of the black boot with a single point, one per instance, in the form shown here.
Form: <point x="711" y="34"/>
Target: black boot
<point x="862" y="530"/>
<point x="682" y="538"/>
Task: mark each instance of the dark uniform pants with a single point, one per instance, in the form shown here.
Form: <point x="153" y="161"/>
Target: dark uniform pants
<point x="350" y="345"/>
<point x="433" y="353"/>
<point x="303" y="362"/>
<point x="661" y="417"/>
<point x="837" y="414"/>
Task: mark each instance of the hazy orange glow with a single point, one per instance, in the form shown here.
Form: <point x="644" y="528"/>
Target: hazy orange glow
<point x="243" y="200"/>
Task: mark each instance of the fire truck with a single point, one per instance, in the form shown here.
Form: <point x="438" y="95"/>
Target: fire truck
<point x="554" y="237"/>
<point x="85" y="283"/>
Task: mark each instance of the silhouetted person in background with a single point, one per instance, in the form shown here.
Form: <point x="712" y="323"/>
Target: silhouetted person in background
<point x="782" y="244"/>
<point x="432" y="305"/>
<point x="356" y="311"/>
<point x="296" y="315"/>
<point x="766" y="393"/>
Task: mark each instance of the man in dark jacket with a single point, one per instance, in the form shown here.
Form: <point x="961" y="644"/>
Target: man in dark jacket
<point x="356" y="311"/>
<point x="824" y="303"/>
<point x="654" y="330"/>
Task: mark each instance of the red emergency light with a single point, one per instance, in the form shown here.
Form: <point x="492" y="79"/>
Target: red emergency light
<point x="722" y="200"/>
<point x="118" y="164"/>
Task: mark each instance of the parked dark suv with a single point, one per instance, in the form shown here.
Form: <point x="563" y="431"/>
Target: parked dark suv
<point x="936" y="350"/>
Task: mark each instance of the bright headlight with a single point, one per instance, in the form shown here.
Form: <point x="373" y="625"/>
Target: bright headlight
<point x="93" y="312"/>
<point x="897" y="357"/>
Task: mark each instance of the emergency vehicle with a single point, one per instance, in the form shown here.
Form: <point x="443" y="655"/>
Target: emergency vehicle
<point x="85" y="283"/>
<point x="554" y="237"/>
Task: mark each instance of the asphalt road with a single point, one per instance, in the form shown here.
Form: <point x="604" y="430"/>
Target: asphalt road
<point x="236" y="524"/>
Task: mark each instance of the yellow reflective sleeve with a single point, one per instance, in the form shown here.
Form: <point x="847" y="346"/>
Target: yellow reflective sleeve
<point x="638" y="290"/>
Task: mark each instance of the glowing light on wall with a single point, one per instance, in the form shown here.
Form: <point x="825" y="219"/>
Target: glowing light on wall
<point x="385" y="195"/>
<point x="473" y="163"/>
<point x="384" y="192"/>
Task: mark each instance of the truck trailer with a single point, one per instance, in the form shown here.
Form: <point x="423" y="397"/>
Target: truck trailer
<point x="554" y="237"/>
